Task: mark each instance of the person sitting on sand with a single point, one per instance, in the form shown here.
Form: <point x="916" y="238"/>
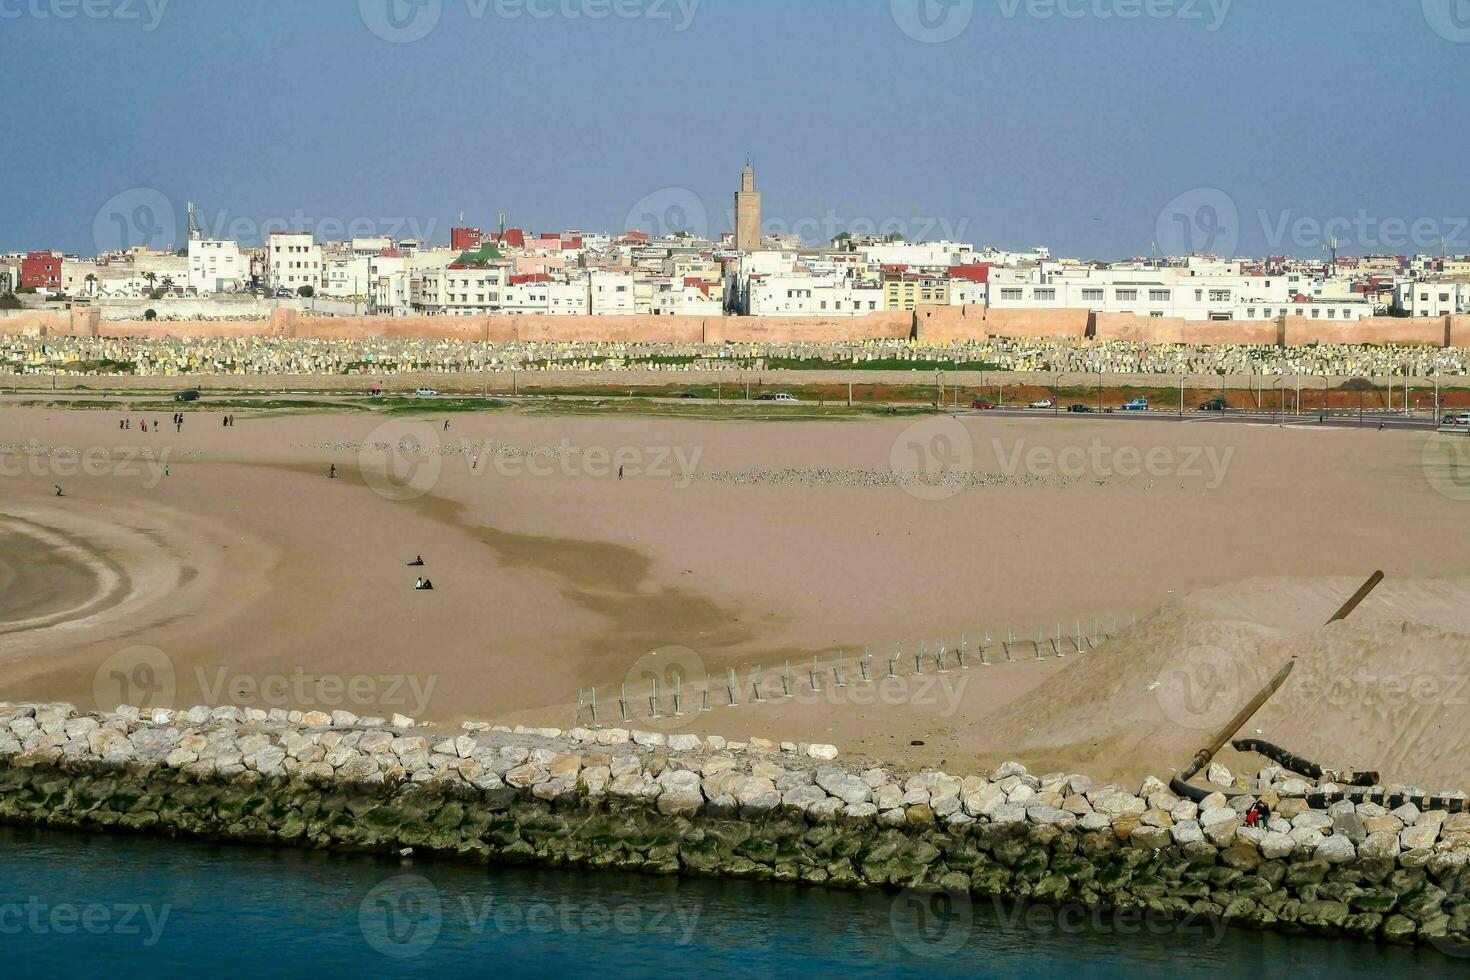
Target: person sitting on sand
<point x="428" y="585"/>
<point x="58" y="490"/>
<point x="418" y="562"/>
<point x="420" y="583"/>
<point x="332" y="473"/>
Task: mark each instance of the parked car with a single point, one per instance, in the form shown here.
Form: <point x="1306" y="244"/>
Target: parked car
<point x="1078" y="408"/>
<point x="426" y="393"/>
<point x="1042" y="403"/>
<point x="778" y="397"/>
<point x="1456" y="419"/>
<point x="1136" y="405"/>
<point x="982" y="404"/>
<point x="187" y="396"/>
<point x="691" y="394"/>
<point x="1214" y="405"/>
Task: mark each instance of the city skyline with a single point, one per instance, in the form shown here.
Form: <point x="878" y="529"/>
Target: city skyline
<point x="1069" y="125"/>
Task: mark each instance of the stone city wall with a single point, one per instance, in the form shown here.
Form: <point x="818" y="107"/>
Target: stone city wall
<point x="682" y="804"/>
<point x="929" y="324"/>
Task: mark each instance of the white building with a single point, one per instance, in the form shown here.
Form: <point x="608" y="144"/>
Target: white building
<point x="347" y="276"/>
<point x="920" y="255"/>
<point x="216" y="266"/>
<point x="459" y="291"/>
<point x="1168" y="292"/>
<point x="1431" y="299"/>
<point x="293" y="260"/>
<point x="543" y="297"/>
<point x="611" y="293"/>
<point x="808" y="295"/>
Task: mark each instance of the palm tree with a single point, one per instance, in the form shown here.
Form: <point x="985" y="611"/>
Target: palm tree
<point x="91" y="283"/>
<point x="150" y="278"/>
<point x="168" y="282"/>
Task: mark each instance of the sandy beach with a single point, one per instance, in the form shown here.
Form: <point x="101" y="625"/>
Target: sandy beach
<point x="242" y="573"/>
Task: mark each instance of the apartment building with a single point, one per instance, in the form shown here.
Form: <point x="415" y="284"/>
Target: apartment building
<point x="216" y="266"/>
<point x="1432" y="298"/>
<point x="293" y="260"/>
<point x="793" y="294"/>
<point x="1169" y="292"/>
<point x="40" y="270"/>
<point x="459" y="291"/>
<point x="611" y="293"/>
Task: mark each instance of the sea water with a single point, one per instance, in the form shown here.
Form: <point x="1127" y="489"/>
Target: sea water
<point x="74" y="905"/>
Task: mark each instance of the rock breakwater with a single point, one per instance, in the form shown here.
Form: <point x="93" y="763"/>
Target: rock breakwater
<point x="685" y="804"/>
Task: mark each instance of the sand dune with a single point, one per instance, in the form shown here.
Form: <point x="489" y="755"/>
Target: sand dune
<point x="1386" y="690"/>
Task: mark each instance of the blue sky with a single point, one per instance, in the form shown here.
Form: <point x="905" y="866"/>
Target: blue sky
<point x="1096" y="127"/>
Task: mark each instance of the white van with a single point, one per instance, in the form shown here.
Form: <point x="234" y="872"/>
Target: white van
<point x="426" y="393"/>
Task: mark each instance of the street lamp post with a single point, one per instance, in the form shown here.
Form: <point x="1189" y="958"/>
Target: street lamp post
<point x="1182" y="379"/>
<point x="1099" y="390"/>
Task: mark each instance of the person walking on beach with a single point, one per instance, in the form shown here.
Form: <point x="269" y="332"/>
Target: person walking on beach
<point x="58" y="491"/>
<point x="332" y="473"/>
<point x="446" y="425"/>
<point x="620" y="472"/>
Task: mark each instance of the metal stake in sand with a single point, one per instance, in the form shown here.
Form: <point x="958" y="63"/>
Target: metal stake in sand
<point x="581" y="698"/>
<point x="786" y="680"/>
<point x="755" y="683"/>
<point x="594" y="707"/>
<point x="837" y="677"/>
<point x="1096" y="638"/>
<point x="730" y="689"/>
<point x="1078" y="638"/>
<point x="919" y="660"/>
<point x="985" y="651"/>
<point x="961" y="652"/>
<point x="623" y="703"/>
<point x="679" y="696"/>
<point x="943" y="649"/>
<point x="704" y="704"/>
<point x="893" y="661"/>
<point x="812" y="676"/>
<point x="1010" y="641"/>
<point x="1040" y="639"/>
<point x="863" y="666"/>
<point x="1057" y="643"/>
<point x="653" y="698"/>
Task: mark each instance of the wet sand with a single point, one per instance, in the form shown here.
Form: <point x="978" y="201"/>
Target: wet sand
<point x="248" y="576"/>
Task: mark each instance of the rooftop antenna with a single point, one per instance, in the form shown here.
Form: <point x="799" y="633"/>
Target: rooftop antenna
<point x="194" y="233"/>
<point x="1333" y="243"/>
<point x="502" y="224"/>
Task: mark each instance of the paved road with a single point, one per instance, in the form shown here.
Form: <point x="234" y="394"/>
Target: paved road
<point x="1336" y="420"/>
